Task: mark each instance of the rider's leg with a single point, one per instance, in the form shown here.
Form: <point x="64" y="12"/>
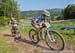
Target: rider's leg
<point x="39" y="30"/>
<point x="37" y="27"/>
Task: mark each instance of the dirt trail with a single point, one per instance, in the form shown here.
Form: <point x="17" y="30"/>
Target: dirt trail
<point x="25" y="45"/>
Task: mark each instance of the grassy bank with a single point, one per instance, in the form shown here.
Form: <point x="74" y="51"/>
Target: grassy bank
<point x="4" y="47"/>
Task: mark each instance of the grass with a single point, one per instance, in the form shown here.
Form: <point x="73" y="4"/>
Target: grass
<point x="3" y="44"/>
<point x="68" y="35"/>
<point x="64" y="23"/>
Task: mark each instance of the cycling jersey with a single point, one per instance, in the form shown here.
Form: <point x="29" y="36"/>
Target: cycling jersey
<point x="13" y="23"/>
<point x="40" y="18"/>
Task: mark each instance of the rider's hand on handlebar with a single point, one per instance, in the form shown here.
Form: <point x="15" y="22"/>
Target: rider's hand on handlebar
<point x="47" y="25"/>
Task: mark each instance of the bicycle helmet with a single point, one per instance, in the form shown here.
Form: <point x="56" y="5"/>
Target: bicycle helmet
<point x="12" y="18"/>
<point x="46" y="13"/>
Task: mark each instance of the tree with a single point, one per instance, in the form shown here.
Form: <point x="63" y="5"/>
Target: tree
<point x="8" y="8"/>
<point x="69" y="12"/>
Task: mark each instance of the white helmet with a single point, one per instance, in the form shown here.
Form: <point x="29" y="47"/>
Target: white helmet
<point x="12" y="18"/>
<point x="47" y="13"/>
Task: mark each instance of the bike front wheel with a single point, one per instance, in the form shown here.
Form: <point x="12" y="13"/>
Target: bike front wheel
<point x="54" y="40"/>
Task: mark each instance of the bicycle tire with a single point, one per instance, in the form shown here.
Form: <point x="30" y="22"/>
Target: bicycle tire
<point x="12" y="33"/>
<point x="30" y="36"/>
<point x="17" y="36"/>
<point x="59" y="35"/>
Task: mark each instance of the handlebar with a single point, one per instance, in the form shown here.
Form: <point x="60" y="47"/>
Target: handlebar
<point x="46" y="25"/>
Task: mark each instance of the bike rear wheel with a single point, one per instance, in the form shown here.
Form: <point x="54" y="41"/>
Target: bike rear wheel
<point x="13" y="32"/>
<point x="17" y="36"/>
<point x="54" y="40"/>
<point x="33" y="35"/>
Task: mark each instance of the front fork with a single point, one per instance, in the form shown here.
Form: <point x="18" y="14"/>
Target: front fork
<point x="51" y="37"/>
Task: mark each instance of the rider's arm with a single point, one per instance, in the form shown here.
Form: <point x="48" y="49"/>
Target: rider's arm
<point x="36" y="22"/>
<point x="10" y="23"/>
<point x="46" y="20"/>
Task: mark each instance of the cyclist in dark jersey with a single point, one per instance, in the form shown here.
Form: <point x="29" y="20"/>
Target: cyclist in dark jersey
<point x="36" y="20"/>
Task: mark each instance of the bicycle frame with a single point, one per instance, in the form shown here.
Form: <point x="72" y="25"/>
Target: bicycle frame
<point x="47" y="32"/>
<point x="46" y="29"/>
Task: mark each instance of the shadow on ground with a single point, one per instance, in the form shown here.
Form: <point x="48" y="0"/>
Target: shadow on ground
<point x="8" y="35"/>
<point x="31" y="43"/>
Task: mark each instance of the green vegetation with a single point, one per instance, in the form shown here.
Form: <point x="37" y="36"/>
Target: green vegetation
<point x="69" y="22"/>
<point x="8" y="8"/>
<point x="4" y="47"/>
<point x="53" y="12"/>
<point x="56" y="13"/>
<point x="69" y="12"/>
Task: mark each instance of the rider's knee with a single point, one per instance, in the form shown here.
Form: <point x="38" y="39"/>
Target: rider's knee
<point x="37" y="28"/>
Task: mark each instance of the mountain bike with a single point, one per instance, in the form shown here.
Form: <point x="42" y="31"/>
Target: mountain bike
<point x="15" y="33"/>
<point x="53" y="39"/>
